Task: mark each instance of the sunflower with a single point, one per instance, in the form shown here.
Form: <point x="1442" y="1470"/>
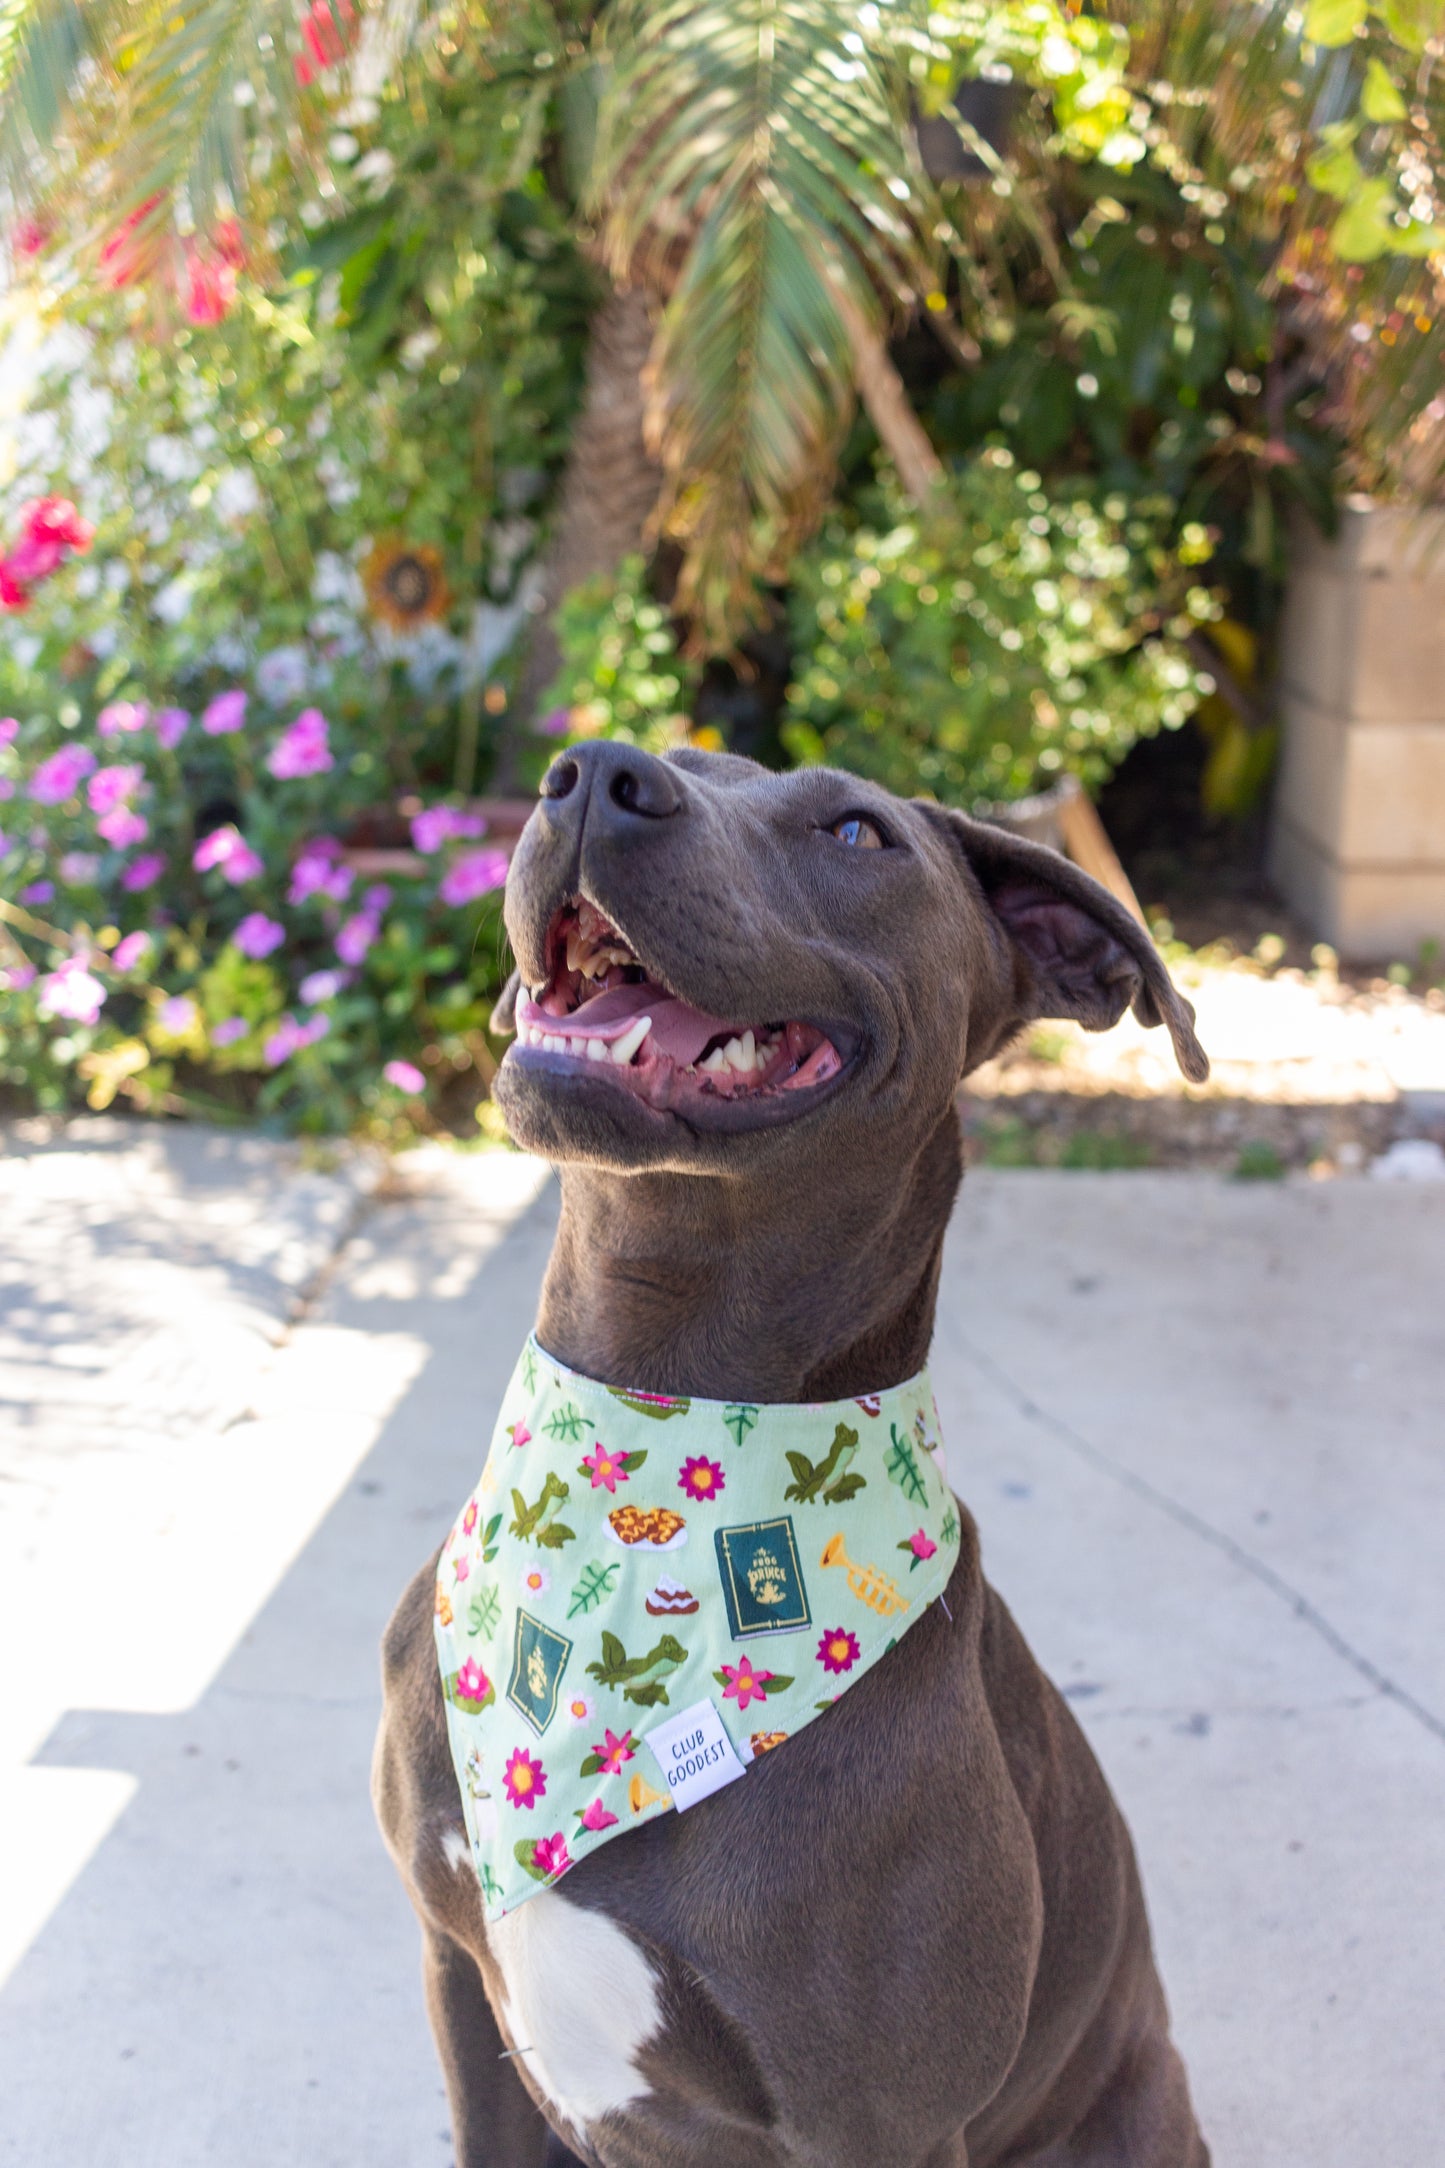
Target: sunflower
<point x="405" y="584"/>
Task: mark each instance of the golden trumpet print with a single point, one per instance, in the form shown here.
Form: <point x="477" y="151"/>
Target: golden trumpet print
<point x="878" y="1590"/>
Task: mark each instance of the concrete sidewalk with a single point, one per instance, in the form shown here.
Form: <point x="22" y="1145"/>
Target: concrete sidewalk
<point x="1200" y="1423"/>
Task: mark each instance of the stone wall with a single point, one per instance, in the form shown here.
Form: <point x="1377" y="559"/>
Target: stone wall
<point x="1358" y="845"/>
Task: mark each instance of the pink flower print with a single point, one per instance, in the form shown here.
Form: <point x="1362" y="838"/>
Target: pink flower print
<point x="461" y="1566"/>
<point x="579" y="1708"/>
<point x="469" y="1518"/>
<point x="472" y="1682"/>
<point x="614" y="1752"/>
<point x="524" y="1779"/>
<point x="838" y="1650"/>
<point x="549" y="1855"/>
<point x="122" y="827"/>
<point x="536" y="1581"/>
<point x="606" y="1469"/>
<point x="520" y="1434"/>
<point x="701" y="1478"/>
<point x="742" y="1684"/>
<point x="225" y="714"/>
<point x="597" y="1817"/>
<point x="143" y="872"/>
<point x="921" y="1544"/>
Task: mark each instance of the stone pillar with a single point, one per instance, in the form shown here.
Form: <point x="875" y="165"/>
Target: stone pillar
<point x="1358" y="844"/>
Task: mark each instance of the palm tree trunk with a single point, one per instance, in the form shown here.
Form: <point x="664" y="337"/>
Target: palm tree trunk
<point x="609" y="491"/>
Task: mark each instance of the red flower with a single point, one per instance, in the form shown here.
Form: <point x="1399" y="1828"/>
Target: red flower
<point x="132" y="249"/>
<point x="596" y="1816"/>
<point x="324" y="39"/>
<point x="524" y="1780"/>
<point x="838" y="1650"/>
<point x="743" y="1684"/>
<point x="921" y="1544"/>
<point x="549" y="1855"/>
<point x="701" y="1478"/>
<point x="12" y="595"/>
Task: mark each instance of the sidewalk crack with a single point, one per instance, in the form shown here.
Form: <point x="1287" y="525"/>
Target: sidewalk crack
<point x="1185" y="1517"/>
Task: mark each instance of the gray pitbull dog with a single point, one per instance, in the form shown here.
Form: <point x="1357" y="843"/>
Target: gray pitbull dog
<point x="784" y="1977"/>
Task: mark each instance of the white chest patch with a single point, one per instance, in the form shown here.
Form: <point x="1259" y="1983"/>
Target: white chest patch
<point x="581" y="1998"/>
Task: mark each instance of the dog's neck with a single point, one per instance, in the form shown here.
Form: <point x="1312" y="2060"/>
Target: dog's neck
<point x="775" y="1292"/>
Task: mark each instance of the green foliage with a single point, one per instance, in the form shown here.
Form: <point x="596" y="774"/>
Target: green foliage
<point x="1008" y="634"/>
<point x="594" y="1585"/>
<point x="901" y="1464"/>
<point x="1258" y="1162"/>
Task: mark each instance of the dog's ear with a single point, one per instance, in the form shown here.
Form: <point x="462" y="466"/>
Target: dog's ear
<point x="1075" y="951"/>
<point x="504" y="1012"/>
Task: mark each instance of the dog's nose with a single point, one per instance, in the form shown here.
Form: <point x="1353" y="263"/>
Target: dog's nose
<point x="613" y="784"/>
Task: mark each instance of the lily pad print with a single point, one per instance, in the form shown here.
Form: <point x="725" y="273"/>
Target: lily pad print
<point x="469" y="1689"/>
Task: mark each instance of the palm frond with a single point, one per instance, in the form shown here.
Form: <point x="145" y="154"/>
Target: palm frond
<point x="42" y="48"/>
<point x="751" y="169"/>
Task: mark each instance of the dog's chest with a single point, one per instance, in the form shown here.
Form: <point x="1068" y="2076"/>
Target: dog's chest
<point x="580" y="2000"/>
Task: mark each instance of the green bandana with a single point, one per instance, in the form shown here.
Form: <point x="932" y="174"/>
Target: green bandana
<point x="643" y="1594"/>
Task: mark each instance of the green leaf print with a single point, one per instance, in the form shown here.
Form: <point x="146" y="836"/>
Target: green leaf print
<point x="740" y="1418"/>
<point x="595" y="1584"/>
<point x="489" y="1538"/>
<point x="950" y="1527"/>
<point x="641" y="1678"/>
<point x="826" y="1478"/>
<point x="566" y="1422"/>
<point x="491" y="1887"/>
<point x="529" y="1370"/>
<point x="484" y="1611"/>
<point x="657" y="1405"/>
<point x="903" y="1469"/>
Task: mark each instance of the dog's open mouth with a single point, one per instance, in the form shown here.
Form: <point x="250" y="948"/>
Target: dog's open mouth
<point x="601" y="1007"/>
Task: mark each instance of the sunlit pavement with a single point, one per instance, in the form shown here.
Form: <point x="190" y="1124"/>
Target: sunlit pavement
<point x="1200" y="1423"/>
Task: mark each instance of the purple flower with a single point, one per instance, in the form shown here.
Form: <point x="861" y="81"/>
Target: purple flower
<point x="289" y="1037"/>
<point x="227" y="849"/>
<point x="122" y="827"/>
<point x="356" y="936"/>
<point x="171" y="725"/>
<point x="78" y="868"/>
<point x="437" y="824"/>
<point x="323" y="985"/>
<point x="555" y="724"/>
<point x="404" y="1076"/>
<point x="38" y="892"/>
<point x="133" y="950"/>
<point x="19" y="975"/>
<point x="474" y="874"/>
<point x="176" y="1014"/>
<point x="316" y="873"/>
<point x="377" y="897"/>
<point x="110" y="787"/>
<point x="120" y="718"/>
<point x="229" y="1030"/>
<point x="72" y="992"/>
<point x="303" y="749"/>
<point x="9" y="729"/>
<point x="257" y="935"/>
<point x="143" y="872"/>
<point x="61" y="776"/>
<point x="227" y="712"/>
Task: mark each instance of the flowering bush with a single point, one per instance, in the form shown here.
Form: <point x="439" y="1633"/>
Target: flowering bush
<point x="192" y="930"/>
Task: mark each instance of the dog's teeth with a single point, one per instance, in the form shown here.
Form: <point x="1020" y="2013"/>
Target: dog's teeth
<point x="716" y="1060"/>
<point x="554" y="1044"/>
<point x="577" y="1046"/>
<point x="596" y="1049"/>
<point x="735" y="1057"/>
<point x="624" y="1048"/>
<point x="750" y="1051"/>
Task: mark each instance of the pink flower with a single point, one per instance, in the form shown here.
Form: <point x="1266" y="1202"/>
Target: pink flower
<point x="61" y="776"/>
<point x="122" y="827"/>
<point x="27" y="238"/>
<point x="474" y="874"/>
<point x="178" y="1014"/>
<point x="606" y="1468"/>
<point x="78" y="868"/>
<point x="520" y="1434"/>
<point x="579" y="1708"/>
<point x="210" y="285"/>
<point x="132" y="249"/>
<point x="171" y="725"/>
<point x="143" y="872"/>
<point x="133" y="950"/>
<point x="122" y="718"/>
<point x="9" y="729"/>
<point x="921" y="1544"/>
<point x="356" y="936"/>
<point x="324" y="38"/>
<point x="524" y="1779"/>
<point x="597" y="1817"/>
<point x="701" y="1478"/>
<point x="303" y="749"/>
<point x="50" y="528"/>
<point x="405" y="1076"/>
<point x="12" y="595"/>
<point x="838" y="1650"/>
<point x="438" y="824"/>
<point x="742" y="1684"/>
<point x="224" y="714"/>
<point x="472" y="1682"/>
<point x="290" y="1036"/>
<point x="323" y="985"/>
<point x="72" y="992"/>
<point x="469" y="1518"/>
<point x="19" y="975"/>
<point x="257" y="935"/>
<point x="316" y="873"/>
<point x="227" y="849"/>
<point x="229" y="1030"/>
<point x="549" y="1855"/>
<point x="110" y="787"/>
<point x="614" y="1752"/>
<point x="555" y="723"/>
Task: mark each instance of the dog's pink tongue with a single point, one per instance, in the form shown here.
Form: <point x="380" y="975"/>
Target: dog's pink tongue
<point x="678" y="1028"/>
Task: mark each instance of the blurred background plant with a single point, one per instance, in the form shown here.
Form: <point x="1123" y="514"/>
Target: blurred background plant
<point x="938" y="409"/>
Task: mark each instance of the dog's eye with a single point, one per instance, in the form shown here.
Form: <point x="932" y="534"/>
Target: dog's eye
<point x="858" y="832"/>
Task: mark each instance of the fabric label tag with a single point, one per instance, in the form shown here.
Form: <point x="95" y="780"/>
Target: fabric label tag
<point x="695" y="1754"/>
